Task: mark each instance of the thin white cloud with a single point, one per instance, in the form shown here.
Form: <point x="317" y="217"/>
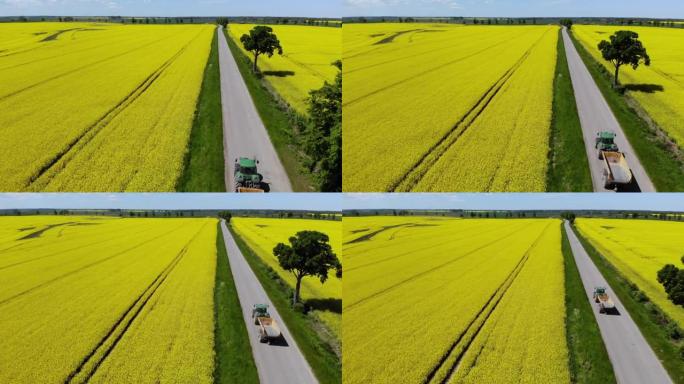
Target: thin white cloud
<point x="452" y="4"/>
<point x="21" y="4"/>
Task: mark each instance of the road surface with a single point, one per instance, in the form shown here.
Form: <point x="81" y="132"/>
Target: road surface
<point x="244" y="134"/>
<point x="633" y="359"/>
<point x="279" y="363"/>
<point x="596" y="116"/>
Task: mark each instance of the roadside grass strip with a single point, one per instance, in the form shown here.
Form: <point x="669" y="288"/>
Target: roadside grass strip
<point x="639" y="249"/>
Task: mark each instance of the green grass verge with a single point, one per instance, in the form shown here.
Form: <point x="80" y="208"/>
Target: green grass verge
<point x="568" y="165"/>
<point x="320" y="355"/>
<point x="275" y="119"/>
<point x="645" y="314"/>
<point x="661" y="164"/>
<point x="204" y="169"/>
<point x="233" y="362"/>
<point x="588" y="358"/>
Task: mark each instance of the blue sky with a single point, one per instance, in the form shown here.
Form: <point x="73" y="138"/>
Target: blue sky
<point x="303" y="8"/>
<point x="503" y="201"/>
<point x="339" y="8"/>
<point x="294" y="201"/>
<point x="336" y="202"/>
<point x="516" y="8"/>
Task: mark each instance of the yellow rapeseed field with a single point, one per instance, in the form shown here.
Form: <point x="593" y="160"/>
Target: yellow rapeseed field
<point x="447" y="108"/>
<point x="308" y="52"/>
<point x="431" y="300"/>
<point x="106" y="300"/>
<point x="97" y="107"/>
<point x="638" y="249"/>
<point x="262" y="235"/>
<point x="659" y="88"/>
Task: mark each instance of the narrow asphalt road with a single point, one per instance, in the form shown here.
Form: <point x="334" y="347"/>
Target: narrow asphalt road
<point x="596" y="116"/>
<point x="244" y="134"/>
<point x="277" y="363"/>
<point x="633" y="359"/>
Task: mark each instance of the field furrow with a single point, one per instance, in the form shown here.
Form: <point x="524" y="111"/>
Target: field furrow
<point x="109" y="109"/>
<point x="441" y="328"/>
<point x="415" y="98"/>
<point x="144" y="312"/>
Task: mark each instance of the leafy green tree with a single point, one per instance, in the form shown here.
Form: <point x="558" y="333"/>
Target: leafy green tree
<point x="672" y="279"/>
<point x="223" y="21"/>
<point x="322" y="137"/>
<point x="309" y="254"/>
<point x="261" y="41"/>
<point x="569" y="216"/>
<point x="623" y="48"/>
<point x="567" y="23"/>
<point x="225" y="215"/>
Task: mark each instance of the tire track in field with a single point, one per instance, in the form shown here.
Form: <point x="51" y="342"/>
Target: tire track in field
<point x="420" y="168"/>
<point x="430" y="270"/>
<point x="94" y="359"/>
<point x="389" y="244"/>
<point x="77" y="69"/>
<point x="58" y="253"/>
<point x="668" y="76"/>
<point x="367" y="49"/>
<point x="516" y="154"/>
<point x="450" y="239"/>
<point x="426" y="72"/>
<point x="306" y="67"/>
<point x="84" y="267"/>
<point x="42" y="178"/>
<point x="472" y="330"/>
<point x="427" y="52"/>
<point x="62" y="55"/>
<point x="32" y="246"/>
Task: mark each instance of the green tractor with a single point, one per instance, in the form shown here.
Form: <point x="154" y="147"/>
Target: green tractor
<point x="605" y="142"/>
<point x="260" y="310"/>
<point x="246" y="176"/>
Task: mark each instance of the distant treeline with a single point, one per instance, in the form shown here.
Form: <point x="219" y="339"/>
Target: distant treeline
<point x="282" y="214"/>
<point x="650" y="215"/>
<point x="672" y="23"/>
<point x="177" y="20"/>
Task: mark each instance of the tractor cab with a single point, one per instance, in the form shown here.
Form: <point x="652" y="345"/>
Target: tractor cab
<point x="246" y="174"/>
<point x="599" y="291"/>
<point x="246" y="166"/>
<point x="605" y="141"/>
<point x="260" y="310"/>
